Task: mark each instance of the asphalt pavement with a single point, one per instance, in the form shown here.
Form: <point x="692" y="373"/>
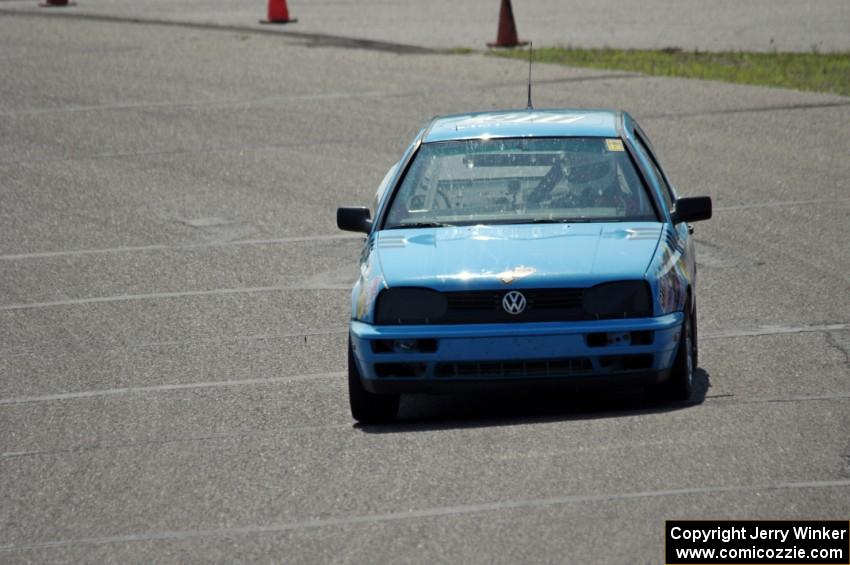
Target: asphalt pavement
<point x="174" y="296"/>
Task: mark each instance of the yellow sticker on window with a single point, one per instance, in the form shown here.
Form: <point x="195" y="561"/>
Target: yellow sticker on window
<point x="614" y="144"/>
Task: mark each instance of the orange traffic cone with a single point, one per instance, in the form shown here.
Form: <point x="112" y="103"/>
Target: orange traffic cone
<point x="56" y="3"/>
<point x="278" y="13"/>
<point x="507" y="28"/>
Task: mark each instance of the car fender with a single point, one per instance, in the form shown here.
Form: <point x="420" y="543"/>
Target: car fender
<point x="670" y="271"/>
<point x="369" y="283"/>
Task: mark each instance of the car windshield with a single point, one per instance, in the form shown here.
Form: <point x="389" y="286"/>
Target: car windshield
<point x="520" y="180"/>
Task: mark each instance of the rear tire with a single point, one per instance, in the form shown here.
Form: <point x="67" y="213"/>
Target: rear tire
<point x="680" y="386"/>
<point x="366" y="407"/>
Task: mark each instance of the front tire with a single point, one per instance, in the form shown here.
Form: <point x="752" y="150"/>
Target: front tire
<point x="695" y="328"/>
<point x="680" y="387"/>
<point x="366" y="407"/>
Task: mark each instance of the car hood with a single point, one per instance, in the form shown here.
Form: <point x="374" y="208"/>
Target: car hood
<point x="525" y="256"/>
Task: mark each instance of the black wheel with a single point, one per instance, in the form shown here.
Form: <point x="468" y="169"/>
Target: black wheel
<point x="681" y="384"/>
<point x="366" y="407"/>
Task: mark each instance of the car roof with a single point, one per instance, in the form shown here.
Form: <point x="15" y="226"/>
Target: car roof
<point x="524" y="123"/>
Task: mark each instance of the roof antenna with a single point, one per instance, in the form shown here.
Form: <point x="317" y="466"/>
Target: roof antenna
<point x="530" y="51"/>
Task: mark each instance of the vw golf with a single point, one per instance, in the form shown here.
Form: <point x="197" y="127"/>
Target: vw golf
<point x="518" y="247"/>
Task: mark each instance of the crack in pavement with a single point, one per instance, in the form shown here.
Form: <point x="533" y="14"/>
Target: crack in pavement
<point x="778" y="108"/>
<point x="781" y="204"/>
<point x="772" y="330"/>
<point x="169" y="441"/>
<point x="732" y="399"/>
<point x="167" y="295"/>
<point x="234" y="103"/>
<point x="183" y="343"/>
<point x="168" y="247"/>
<point x="293" y="147"/>
<point x="165" y="388"/>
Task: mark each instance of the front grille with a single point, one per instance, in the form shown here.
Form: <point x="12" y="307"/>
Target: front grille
<point x="462" y="301"/>
<point x="414" y="305"/>
<point x="514" y="369"/>
<point x="543" y="305"/>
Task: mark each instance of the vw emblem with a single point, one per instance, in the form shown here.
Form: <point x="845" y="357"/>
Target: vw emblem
<point x="513" y="302"/>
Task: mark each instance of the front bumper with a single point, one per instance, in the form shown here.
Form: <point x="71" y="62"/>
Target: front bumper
<point x="434" y="358"/>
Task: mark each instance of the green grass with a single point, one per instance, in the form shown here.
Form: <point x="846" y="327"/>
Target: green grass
<point x="820" y="72"/>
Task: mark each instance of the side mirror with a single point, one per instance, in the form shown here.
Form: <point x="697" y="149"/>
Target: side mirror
<point x="354" y="219"/>
<point x="692" y="209"/>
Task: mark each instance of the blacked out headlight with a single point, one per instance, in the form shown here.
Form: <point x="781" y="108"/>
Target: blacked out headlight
<point x="409" y="306"/>
<point x="621" y="299"/>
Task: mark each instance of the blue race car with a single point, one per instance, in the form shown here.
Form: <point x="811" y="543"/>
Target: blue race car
<point x="519" y="247"/>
